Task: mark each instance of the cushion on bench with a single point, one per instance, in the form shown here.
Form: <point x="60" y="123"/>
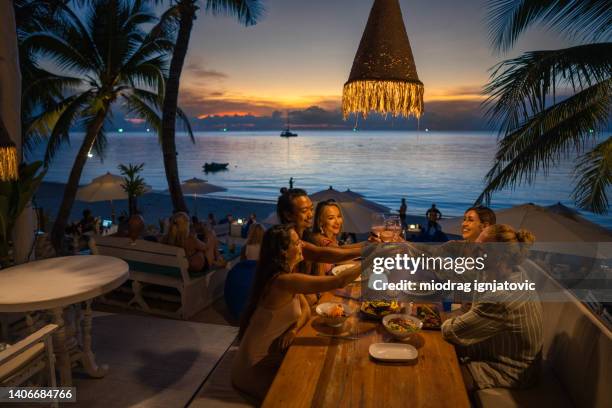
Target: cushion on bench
<point x="548" y="393"/>
<point x="577" y="350"/>
<point x="171" y="271"/>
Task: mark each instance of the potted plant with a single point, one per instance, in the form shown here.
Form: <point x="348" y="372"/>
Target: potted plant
<point x="133" y="184"/>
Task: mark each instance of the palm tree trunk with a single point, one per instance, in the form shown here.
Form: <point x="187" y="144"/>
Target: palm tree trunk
<point x="188" y="10"/>
<point x="57" y="234"/>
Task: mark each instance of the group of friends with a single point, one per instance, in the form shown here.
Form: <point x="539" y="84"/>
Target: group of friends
<point x="499" y="342"/>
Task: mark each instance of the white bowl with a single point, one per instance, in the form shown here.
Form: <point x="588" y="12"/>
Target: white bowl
<point x="401" y="334"/>
<point x="323" y="309"/>
<point x="340" y="268"/>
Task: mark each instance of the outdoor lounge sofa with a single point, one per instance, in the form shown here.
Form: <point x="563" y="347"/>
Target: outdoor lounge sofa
<point x="159" y="275"/>
<point x="577" y="353"/>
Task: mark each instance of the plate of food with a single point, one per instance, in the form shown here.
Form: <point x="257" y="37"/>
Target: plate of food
<point x="393" y="352"/>
<point x="379" y="308"/>
<point x="430" y="316"/>
<point x="333" y="314"/>
<point x="401" y="325"/>
<point x="340" y="268"/>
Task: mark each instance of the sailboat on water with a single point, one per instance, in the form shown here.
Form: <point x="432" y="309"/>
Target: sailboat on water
<point x="287" y="132"/>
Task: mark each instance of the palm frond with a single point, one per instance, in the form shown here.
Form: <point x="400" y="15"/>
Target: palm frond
<point x="545" y="138"/>
<point x="587" y="20"/>
<point x="63" y="53"/>
<point x="519" y="87"/>
<point x="248" y="12"/>
<point x="138" y="106"/>
<point x="149" y="74"/>
<point x="46" y="84"/>
<point x="593" y="176"/>
<point x="186" y="123"/>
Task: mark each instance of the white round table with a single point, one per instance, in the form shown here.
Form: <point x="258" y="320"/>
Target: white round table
<point x="55" y="284"/>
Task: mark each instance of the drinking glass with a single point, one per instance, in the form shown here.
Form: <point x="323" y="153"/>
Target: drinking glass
<point x="378" y="223"/>
<point x="393" y="224"/>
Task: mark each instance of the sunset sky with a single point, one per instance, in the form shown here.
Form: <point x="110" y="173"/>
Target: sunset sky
<point x="301" y="52"/>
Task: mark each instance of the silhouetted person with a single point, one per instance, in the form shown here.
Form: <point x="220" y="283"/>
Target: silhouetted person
<point x="402" y="213"/>
<point x="433" y="215"/>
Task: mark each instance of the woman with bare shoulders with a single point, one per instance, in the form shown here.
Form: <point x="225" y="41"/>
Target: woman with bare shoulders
<point x="277" y="309"/>
<point x="180" y="235"/>
<point x="252" y="246"/>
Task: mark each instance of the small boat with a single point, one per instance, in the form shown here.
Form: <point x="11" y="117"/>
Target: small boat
<point x="210" y="167"/>
<point x="288" y="133"/>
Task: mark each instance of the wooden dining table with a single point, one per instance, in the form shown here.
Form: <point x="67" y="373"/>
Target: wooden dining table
<point x="323" y="371"/>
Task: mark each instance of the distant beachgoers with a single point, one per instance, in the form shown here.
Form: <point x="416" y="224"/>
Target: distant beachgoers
<point x="424" y="167"/>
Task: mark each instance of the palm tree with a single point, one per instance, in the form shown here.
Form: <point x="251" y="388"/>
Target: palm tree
<point x="133" y="184"/>
<point x="538" y="128"/>
<point x="183" y="13"/>
<point x="104" y="59"/>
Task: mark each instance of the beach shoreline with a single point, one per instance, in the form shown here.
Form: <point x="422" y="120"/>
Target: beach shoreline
<point x="154" y="205"/>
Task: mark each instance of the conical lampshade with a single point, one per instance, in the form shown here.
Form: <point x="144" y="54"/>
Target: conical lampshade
<point x="384" y="76"/>
<point x="8" y="156"/>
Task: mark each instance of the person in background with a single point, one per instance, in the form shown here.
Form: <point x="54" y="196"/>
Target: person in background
<point x="198" y="227"/>
<point x="277" y="309"/>
<point x="475" y="220"/>
<point x="180" y="235"/>
<point x="252" y="246"/>
<point x="245" y="228"/>
<point x="87" y="223"/>
<point x="499" y="339"/>
<point x="123" y="227"/>
<point x="402" y="213"/>
<point x="211" y="220"/>
<point x="433" y="215"/>
<point x="213" y="255"/>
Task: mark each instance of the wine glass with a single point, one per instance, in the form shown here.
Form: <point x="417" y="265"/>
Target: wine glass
<point x="378" y="224"/>
<point x="393" y="225"/>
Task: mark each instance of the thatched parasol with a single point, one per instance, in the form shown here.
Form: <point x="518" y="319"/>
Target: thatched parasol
<point x="384" y="76"/>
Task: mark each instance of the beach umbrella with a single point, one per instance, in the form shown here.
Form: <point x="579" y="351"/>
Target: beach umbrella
<point x="570" y="235"/>
<point x="107" y="187"/>
<point x="103" y="188"/>
<point x="383" y="77"/>
<point x="196" y="187"/>
<point x="348" y="196"/>
<point x="368" y="203"/>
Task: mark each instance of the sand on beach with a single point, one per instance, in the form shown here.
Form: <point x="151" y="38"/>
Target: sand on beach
<point x="154" y="205"/>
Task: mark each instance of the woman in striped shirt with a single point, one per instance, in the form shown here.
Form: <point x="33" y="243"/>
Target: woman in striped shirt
<point x="499" y="339"/>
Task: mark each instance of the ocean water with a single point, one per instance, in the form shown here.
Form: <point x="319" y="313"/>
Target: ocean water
<point x="446" y="168"/>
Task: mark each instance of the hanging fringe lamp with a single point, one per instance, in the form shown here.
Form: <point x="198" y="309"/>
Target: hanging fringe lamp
<point x="383" y="77"/>
<point x="8" y="156"/>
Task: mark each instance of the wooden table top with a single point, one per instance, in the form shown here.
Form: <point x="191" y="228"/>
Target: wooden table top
<point x="330" y="372"/>
<point x="58" y="282"/>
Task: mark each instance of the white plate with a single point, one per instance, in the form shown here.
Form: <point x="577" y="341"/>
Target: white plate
<point x="393" y="352"/>
<point x="337" y="269"/>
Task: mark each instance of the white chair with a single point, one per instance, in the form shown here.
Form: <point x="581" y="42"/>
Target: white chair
<point x="19" y="362"/>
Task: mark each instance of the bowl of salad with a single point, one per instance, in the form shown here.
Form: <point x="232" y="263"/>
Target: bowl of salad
<point x="402" y="325"/>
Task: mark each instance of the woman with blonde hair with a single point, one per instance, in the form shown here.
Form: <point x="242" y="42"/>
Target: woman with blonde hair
<point x="500" y="337"/>
<point x="180" y="235"/>
<point x="251" y="248"/>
